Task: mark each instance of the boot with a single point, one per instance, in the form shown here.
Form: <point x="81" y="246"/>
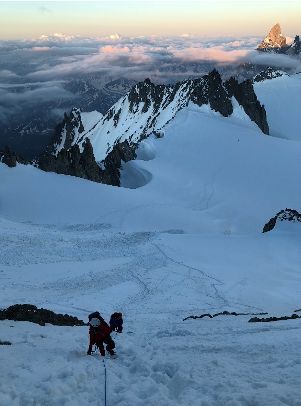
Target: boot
<point x="111" y="352"/>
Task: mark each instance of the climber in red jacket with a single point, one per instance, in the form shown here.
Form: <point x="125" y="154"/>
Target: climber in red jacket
<point x="100" y="334"/>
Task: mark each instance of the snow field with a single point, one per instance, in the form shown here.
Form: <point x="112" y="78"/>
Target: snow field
<point x="156" y="280"/>
<point x="210" y="362"/>
<point x="184" y="237"/>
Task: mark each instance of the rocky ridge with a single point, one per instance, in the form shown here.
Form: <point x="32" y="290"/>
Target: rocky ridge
<point x="94" y="146"/>
<point x="284" y="215"/>
<point x="268" y="74"/>
<point x="28" y="312"/>
<point x="107" y="141"/>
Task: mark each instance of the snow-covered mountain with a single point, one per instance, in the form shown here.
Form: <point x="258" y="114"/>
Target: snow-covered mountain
<point x="146" y="110"/>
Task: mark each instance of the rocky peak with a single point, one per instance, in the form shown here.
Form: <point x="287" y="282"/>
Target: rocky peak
<point x="67" y="132"/>
<point x="147" y="93"/>
<point x="217" y="95"/>
<point x="274" y="41"/>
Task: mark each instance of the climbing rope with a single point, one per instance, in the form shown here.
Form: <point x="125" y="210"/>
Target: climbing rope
<point x="104" y="364"/>
<point x="105" y="370"/>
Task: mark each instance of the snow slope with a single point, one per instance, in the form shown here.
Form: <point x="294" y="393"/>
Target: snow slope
<point x="282" y="100"/>
<point x="184" y="237"/>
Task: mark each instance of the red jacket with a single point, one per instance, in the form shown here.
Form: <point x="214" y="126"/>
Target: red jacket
<point x="99" y="333"/>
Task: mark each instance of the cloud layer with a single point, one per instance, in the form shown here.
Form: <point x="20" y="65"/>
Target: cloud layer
<point x="41" y="67"/>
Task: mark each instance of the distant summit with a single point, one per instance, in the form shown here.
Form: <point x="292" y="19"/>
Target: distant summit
<point x="274" y="41"/>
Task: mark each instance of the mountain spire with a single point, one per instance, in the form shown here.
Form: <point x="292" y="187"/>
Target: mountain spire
<point x="274" y="40"/>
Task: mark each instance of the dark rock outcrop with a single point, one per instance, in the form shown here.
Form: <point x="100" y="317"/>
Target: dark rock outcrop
<point x="27" y="312"/>
<point x="225" y="313"/>
<point x="268" y="74"/>
<point x="269" y="319"/>
<point x="284" y="215"/>
<point x="217" y="95"/>
<point x="121" y="152"/>
<point x="73" y="162"/>
<point x="246" y="97"/>
<point x="295" y="48"/>
<point x="8" y="157"/>
<point x="146" y="92"/>
<point x="11" y="159"/>
<point x="5" y="342"/>
<point x="71" y="123"/>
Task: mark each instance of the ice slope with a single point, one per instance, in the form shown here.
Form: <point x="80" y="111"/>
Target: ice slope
<point x="187" y="242"/>
<point x="282" y="100"/>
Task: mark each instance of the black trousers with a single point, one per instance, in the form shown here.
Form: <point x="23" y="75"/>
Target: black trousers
<point x="110" y="345"/>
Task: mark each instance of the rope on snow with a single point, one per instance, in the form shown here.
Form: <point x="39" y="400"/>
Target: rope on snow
<point x="105" y="368"/>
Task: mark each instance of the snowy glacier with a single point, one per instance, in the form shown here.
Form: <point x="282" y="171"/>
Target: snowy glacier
<point x="183" y="236"/>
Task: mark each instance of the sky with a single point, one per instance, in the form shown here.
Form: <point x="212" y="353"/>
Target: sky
<point x="213" y="18"/>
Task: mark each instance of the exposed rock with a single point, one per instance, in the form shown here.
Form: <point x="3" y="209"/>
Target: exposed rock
<point x="27" y="312"/>
<point x="268" y="74"/>
<point x="284" y="215"/>
<point x="274" y="41"/>
<point x="8" y="158"/>
<point x="146" y="92"/>
<point x="5" y="342"/>
<point x="83" y="165"/>
<point x="73" y="162"/>
<point x="269" y="319"/>
<point x="246" y="97"/>
<point x="67" y="131"/>
<point x="112" y="164"/>
<point x="11" y="159"/>
<point x="225" y="313"/>
<point x="217" y="95"/>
